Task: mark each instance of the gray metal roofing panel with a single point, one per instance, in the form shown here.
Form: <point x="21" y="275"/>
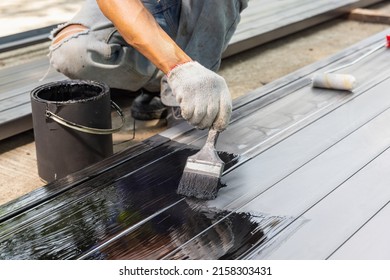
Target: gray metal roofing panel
<point x="370" y="242"/>
<point x="281" y="18"/>
<point x="302" y="188"/>
<point x="337" y="216"/>
<point x="262" y="22"/>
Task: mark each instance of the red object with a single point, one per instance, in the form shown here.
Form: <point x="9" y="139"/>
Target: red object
<point x="388" y="41"/>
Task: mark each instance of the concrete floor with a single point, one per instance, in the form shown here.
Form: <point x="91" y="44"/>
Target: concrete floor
<point x="243" y="72"/>
<point x="21" y="15"/>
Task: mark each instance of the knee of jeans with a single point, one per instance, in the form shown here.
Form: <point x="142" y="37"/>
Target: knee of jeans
<point x="69" y="56"/>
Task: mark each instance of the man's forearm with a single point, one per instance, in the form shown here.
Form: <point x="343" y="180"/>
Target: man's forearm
<point x="139" y="29"/>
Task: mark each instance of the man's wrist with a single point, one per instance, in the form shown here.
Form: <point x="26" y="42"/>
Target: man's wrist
<point x="177" y="65"/>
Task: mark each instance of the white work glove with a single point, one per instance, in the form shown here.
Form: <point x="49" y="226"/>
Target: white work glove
<point x="203" y="96"/>
<point x="166" y="94"/>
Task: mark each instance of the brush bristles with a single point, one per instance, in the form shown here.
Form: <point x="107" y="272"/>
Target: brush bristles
<point x="198" y="185"/>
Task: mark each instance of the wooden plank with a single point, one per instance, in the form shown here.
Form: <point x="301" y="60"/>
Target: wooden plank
<point x="367" y="15"/>
<point x="371" y="242"/>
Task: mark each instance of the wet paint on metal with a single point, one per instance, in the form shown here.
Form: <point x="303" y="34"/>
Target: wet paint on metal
<point x="189" y="231"/>
<point x="73" y="222"/>
<point x="76" y="221"/>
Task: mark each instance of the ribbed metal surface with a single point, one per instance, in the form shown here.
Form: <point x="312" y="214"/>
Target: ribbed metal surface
<point x="305" y="178"/>
<point x="265" y="21"/>
<point x="24" y="39"/>
<point x="262" y="21"/>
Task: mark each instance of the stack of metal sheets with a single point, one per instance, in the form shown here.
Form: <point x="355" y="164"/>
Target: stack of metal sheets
<point x="305" y="178"/>
<point x="261" y="22"/>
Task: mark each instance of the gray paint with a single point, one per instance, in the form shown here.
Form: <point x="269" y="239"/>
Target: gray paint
<point x="261" y="22"/>
<point x="371" y="242"/>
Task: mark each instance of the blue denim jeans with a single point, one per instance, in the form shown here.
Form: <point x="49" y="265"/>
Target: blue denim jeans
<point x="202" y="28"/>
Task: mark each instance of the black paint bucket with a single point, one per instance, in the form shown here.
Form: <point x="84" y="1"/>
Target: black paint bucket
<point x="72" y="126"/>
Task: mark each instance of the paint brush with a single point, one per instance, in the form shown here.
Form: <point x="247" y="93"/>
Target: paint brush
<point x="202" y="173"/>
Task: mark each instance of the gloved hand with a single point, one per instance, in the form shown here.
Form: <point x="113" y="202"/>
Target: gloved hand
<point x="202" y="95"/>
<point x="166" y="94"/>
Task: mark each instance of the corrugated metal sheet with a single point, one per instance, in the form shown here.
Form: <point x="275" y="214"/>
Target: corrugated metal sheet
<point x="262" y="22"/>
<point x="306" y="178"/>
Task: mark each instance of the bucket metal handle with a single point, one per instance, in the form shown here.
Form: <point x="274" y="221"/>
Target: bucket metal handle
<point x="87" y="129"/>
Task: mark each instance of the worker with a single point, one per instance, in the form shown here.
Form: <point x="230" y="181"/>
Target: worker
<point x="168" y="50"/>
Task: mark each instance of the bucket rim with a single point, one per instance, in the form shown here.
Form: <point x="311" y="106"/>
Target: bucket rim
<point x="105" y="90"/>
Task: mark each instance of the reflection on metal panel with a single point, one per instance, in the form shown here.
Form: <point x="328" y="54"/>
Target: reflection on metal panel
<point x="262" y="22"/>
<point x="286" y="182"/>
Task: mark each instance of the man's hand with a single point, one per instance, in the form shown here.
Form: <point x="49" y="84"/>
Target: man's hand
<point x="203" y="96"/>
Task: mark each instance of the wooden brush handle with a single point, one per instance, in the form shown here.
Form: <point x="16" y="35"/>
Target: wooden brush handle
<point x="212" y="137"/>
